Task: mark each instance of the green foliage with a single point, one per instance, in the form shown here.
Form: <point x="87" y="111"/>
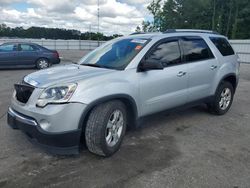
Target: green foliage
<point x="50" y="33"/>
<point x="146" y="26"/>
<point x="138" y="29"/>
<point x="155" y="9"/>
<point x="228" y="17"/>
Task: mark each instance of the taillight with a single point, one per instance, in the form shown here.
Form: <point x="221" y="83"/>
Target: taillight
<point x="56" y="54"/>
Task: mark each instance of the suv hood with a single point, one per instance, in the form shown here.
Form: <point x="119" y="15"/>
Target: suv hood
<point x="63" y="74"/>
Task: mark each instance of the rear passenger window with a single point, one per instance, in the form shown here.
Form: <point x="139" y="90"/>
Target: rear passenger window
<point x="168" y="53"/>
<point x="223" y="46"/>
<point x="196" y="49"/>
<point x="26" y="47"/>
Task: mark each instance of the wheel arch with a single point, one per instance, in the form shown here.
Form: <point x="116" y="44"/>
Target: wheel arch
<point x="231" y="78"/>
<point x="126" y="99"/>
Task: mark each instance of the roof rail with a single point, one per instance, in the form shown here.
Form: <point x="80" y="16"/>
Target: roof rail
<point x="190" y="30"/>
<point x="137" y="33"/>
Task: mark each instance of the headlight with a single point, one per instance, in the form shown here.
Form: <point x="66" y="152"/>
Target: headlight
<point x="56" y="94"/>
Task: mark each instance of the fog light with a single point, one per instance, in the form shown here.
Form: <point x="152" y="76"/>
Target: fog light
<point x="44" y="124"/>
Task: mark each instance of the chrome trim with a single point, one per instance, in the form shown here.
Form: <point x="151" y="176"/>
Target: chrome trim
<point x="30" y="81"/>
<point x="21" y="118"/>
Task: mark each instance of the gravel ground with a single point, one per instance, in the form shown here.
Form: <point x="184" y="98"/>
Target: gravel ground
<point x="188" y="148"/>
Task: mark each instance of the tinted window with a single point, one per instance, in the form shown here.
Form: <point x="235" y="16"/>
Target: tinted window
<point x="167" y="53"/>
<point x="8" y="47"/>
<point x="196" y="49"/>
<point x="26" y="47"/>
<point x="223" y="46"/>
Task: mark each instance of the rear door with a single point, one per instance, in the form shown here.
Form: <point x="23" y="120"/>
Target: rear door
<point x="202" y="67"/>
<point x="27" y="54"/>
<point x="167" y="88"/>
<point x="8" y="54"/>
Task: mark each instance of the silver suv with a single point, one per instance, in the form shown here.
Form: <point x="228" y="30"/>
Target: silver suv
<point x="110" y="89"/>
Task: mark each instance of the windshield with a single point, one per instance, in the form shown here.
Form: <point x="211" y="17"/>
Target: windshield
<point x="116" y="54"/>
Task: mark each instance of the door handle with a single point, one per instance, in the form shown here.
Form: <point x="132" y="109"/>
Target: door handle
<point x="181" y="73"/>
<point x="213" y="67"/>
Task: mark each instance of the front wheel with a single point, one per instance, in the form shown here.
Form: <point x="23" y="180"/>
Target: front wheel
<point x="106" y="127"/>
<point x="223" y="99"/>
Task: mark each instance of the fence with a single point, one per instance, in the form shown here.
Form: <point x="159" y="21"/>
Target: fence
<point x="242" y="47"/>
<point x="60" y="44"/>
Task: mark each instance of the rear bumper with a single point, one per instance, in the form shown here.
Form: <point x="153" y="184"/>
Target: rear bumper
<point x="57" y="143"/>
<point x="55" y="60"/>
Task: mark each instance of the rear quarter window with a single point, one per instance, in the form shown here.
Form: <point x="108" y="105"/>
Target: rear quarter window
<point x="223" y="46"/>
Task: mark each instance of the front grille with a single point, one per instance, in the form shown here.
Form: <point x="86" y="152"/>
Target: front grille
<point x="23" y="92"/>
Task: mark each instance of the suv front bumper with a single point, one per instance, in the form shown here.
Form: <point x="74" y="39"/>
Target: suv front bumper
<point x="57" y="143"/>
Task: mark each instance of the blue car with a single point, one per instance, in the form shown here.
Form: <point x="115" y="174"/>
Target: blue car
<point x="17" y="55"/>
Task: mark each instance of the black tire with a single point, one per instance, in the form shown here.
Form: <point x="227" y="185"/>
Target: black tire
<point x="97" y="126"/>
<point x="42" y="63"/>
<point x="214" y="106"/>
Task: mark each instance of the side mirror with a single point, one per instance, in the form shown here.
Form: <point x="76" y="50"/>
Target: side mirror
<point x="147" y="65"/>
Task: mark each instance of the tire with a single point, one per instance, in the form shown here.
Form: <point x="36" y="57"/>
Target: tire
<point x="223" y="99"/>
<point x="42" y="63"/>
<point x="103" y="136"/>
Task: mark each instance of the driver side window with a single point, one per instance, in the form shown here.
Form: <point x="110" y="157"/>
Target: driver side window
<point x="168" y="53"/>
<point x="8" y="47"/>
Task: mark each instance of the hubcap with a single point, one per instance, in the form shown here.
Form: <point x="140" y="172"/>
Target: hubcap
<point x="114" y="128"/>
<point x="225" y="98"/>
<point x="43" y="64"/>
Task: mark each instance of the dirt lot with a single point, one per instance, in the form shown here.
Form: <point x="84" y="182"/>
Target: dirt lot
<point x="190" y="148"/>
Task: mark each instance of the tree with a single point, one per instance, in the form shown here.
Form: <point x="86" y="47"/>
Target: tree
<point x="241" y="23"/>
<point x="155" y="9"/>
<point x="147" y="26"/>
<point x="230" y="17"/>
<point x="50" y="33"/>
<point x="138" y="29"/>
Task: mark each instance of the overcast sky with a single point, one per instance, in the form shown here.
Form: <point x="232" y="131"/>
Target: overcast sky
<point x="116" y="16"/>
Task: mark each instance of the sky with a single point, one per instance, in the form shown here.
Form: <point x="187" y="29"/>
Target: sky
<point x="116" y="16"/>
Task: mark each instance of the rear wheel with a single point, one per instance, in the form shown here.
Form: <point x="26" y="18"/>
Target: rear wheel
<point x="106" y="127"/>
<point x="223" y="99"/>
<point x="42" y="63"/>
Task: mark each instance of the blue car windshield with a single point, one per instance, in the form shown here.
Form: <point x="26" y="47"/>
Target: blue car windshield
<point x="116" y="54"/>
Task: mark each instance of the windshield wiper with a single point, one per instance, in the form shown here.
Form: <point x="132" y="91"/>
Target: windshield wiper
<point x="92" y="65"/>
<point x="96" y="65"/>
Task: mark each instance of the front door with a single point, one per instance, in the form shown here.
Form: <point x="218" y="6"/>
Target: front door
<point x="8" y="54"/>
<point x="167" y="88"/>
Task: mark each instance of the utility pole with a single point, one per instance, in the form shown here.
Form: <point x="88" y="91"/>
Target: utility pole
<point x="98" y="16"/>
<point x="98" y="20"/>
<point x="90" y="32"/>
<point x="90" y="38"/>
